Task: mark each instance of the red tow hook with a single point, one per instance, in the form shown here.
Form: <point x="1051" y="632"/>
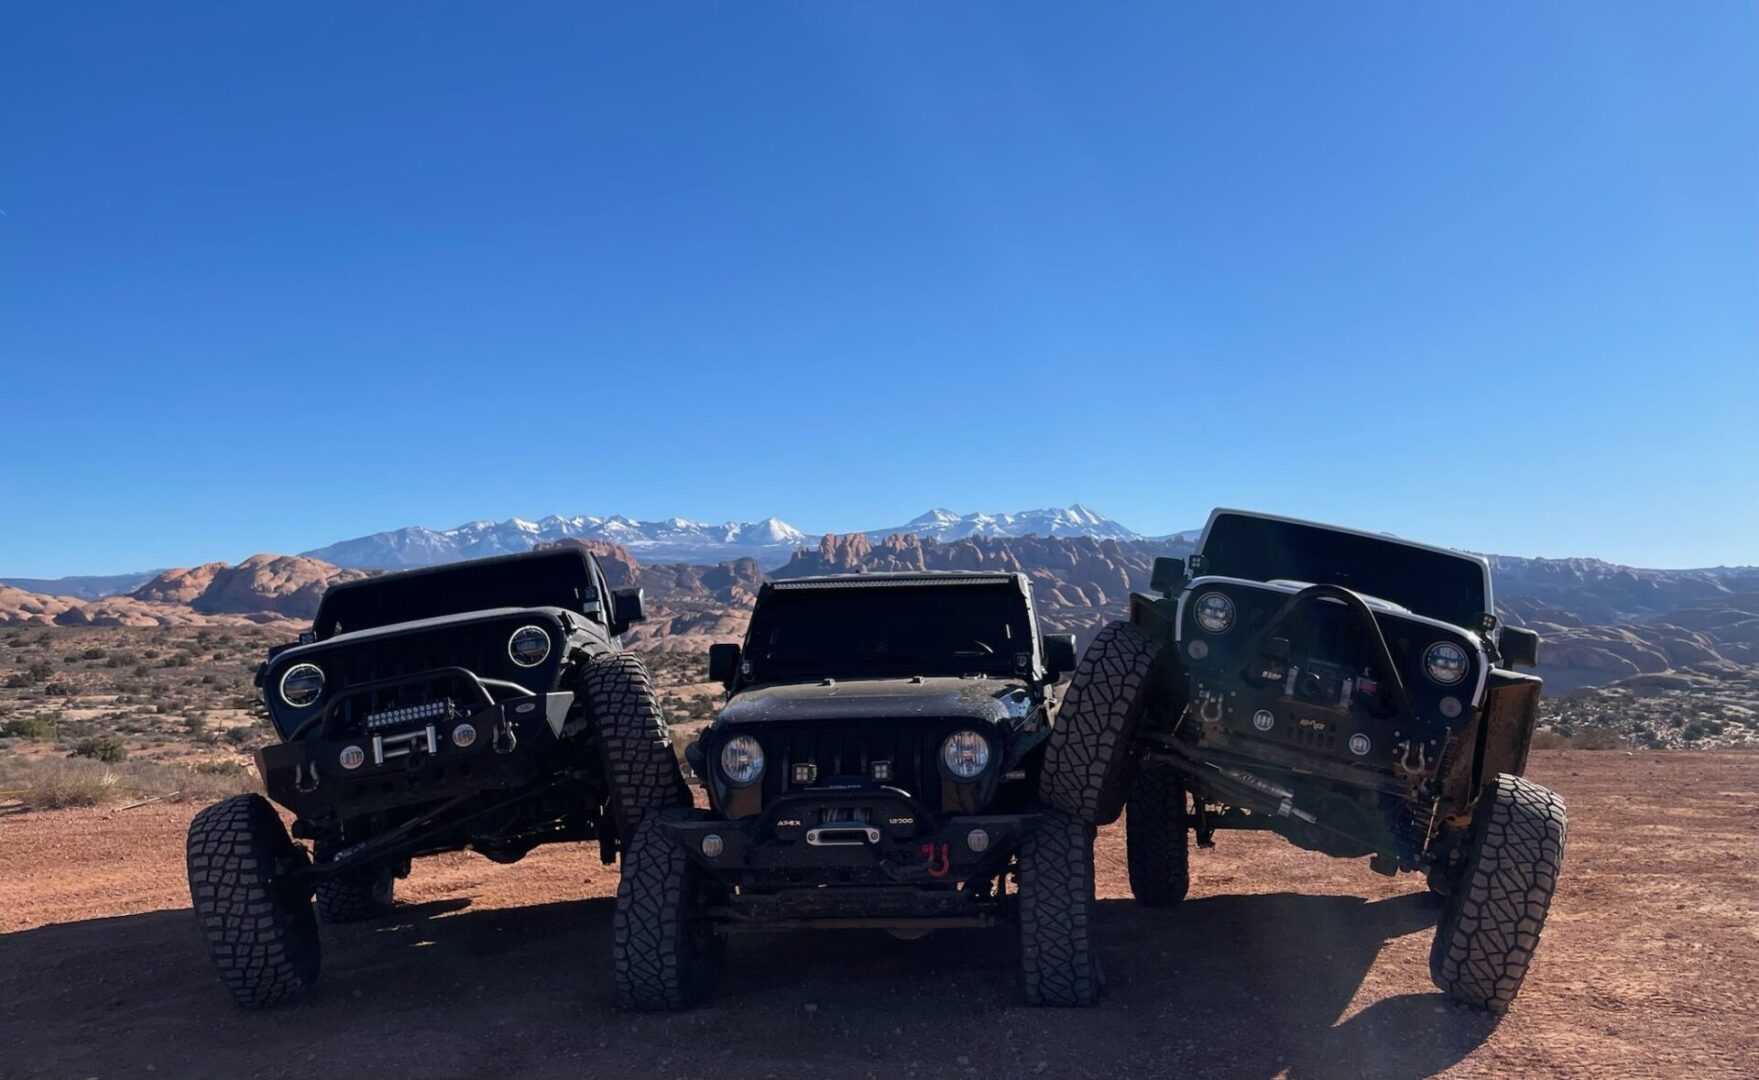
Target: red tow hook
<point x="939" y="862"/>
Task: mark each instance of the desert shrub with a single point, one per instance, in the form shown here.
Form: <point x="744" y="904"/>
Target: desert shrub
<point x="93" y="653"/>
<point x="239" y="736"/>
<point x="105" y="748"/>
<point x="41" y="671"/>
<point x="196" y="724"/>
<point x="1567" y="738"/>
<point x="1701" y="727"/>
<point x="57" y="783"/>
<point x="58" y="689"/>
<point x="30" y="727"/>
<point x="1598" y="739"/>
<point x="18" y="680"/>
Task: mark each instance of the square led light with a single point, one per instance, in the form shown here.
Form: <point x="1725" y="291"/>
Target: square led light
<point x="882" y="770"/>
<point x="805" y="773"/>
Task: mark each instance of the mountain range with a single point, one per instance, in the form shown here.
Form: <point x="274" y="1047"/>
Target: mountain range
<point x="772" y="542"/>
<point x="1674" y="653"/>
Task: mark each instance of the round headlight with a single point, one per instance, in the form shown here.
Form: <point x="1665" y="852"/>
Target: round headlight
<point x="1215" y="612"/>
<point x="529" y="646"/>
<point x="966" y="753"/>
<point x="302" y="685"/>
<point x="1446" y="663"/>
<point x="742" y="760"/>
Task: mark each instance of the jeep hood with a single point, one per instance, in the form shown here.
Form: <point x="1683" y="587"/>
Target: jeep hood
<point x="982" y="700"/>
<point x="420" y="626"/>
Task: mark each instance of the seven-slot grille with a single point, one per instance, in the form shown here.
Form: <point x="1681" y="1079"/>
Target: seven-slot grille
<point x="908" y="750"/>
<point x="479" y="648"/>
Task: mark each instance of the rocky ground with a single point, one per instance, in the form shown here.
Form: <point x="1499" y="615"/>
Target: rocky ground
<point x="1702" y="706"/>
<point x="1282" y="964"/>
<point x="104" y="714"/>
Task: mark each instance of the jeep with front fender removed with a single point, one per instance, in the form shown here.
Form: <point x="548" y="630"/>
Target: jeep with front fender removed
<point x="1349" y="691"/>
<point x="485" y="705"/>
<point x="875" y="766"/>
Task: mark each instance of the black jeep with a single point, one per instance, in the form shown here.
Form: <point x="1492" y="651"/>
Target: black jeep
<point x="875" y="766"/>
<point x="1346" y="690"/>
<point x="484" y="705"/>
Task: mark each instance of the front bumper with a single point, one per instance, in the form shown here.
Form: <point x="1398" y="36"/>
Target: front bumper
<point x="514" y="742"/>
<point x="873" y="836"/>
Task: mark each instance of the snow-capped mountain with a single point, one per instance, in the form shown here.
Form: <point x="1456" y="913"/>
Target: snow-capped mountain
<point x="1077" y="520"/>
<point x="770" y="541"/>
<point x="672" y="540"/>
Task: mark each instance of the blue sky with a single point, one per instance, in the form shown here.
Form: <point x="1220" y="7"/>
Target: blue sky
<point x="275" y="275"/>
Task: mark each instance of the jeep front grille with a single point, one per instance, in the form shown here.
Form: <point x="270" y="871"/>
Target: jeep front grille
<point x="906" y="753"/>
<point x="481" y="649"/>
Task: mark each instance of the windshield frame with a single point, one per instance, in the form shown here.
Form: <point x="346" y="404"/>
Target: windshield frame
<point x="565" y="578"/>
<point x="777" y="597"/>
<point x="1210" y="566"/>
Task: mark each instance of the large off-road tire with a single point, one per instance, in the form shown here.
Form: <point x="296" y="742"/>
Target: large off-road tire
<point x="1156" y="843"/>
<point x="262" y="936"/>
<point x="357" y="895"/>
<point x="639" y="761"/>
<point x="1059" y="958"/>
<point x="1491" y="925"/>
<point x="665" y="953"/>
<point x="1087" y="761"/>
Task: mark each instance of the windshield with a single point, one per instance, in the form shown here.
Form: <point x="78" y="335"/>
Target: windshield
<point x="1433" y="583"/>
<point x="548" y="579"/>
<point x="964" y="629"/>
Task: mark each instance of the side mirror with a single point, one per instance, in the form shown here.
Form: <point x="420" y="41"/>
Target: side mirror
<point x="1059" y="655"/>
<point x="627" y="608"/>
<point x="1518" y="645"/>
<point x="723" y="664"/>
<point x="1168" y="576"/>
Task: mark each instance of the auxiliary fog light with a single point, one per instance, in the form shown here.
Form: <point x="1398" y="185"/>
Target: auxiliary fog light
<point x="463" y="735"/>
<point x="977" y="840"/>
<point x="712" y="846"/>
<point x="351" y="757"/>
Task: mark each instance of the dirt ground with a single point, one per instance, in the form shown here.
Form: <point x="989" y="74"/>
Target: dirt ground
<point x="1283" y="964"/>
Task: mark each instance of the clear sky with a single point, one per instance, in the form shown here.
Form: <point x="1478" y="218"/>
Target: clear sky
<point x="272" y="275"/>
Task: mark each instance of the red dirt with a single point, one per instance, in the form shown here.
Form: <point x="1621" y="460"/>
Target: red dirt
<point x="1283" y="964"/>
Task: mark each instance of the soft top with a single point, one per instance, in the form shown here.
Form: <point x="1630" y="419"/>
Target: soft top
<point x="560" y="578"/>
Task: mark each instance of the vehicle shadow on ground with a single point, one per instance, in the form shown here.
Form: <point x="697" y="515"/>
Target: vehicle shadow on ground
<point x="1249" y="986"/>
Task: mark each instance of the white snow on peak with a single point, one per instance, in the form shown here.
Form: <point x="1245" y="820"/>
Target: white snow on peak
<point x="678" y="539"/>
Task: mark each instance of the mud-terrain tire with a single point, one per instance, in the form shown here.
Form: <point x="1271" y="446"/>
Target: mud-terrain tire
<point x="1156" y="841"/>
<point x="637" y="744"/>
<point x="1492" y="921"/>
<point x="357" y="895"/>
<point x="1059" y="958"/>
<point x="664" y="953"/>
<point x="1087" y="761"/>
<point x="264" y="939"/>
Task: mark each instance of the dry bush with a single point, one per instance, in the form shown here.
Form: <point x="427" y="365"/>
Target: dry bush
<point x="59" y="783"/>
<point x="1583" y="739"/>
